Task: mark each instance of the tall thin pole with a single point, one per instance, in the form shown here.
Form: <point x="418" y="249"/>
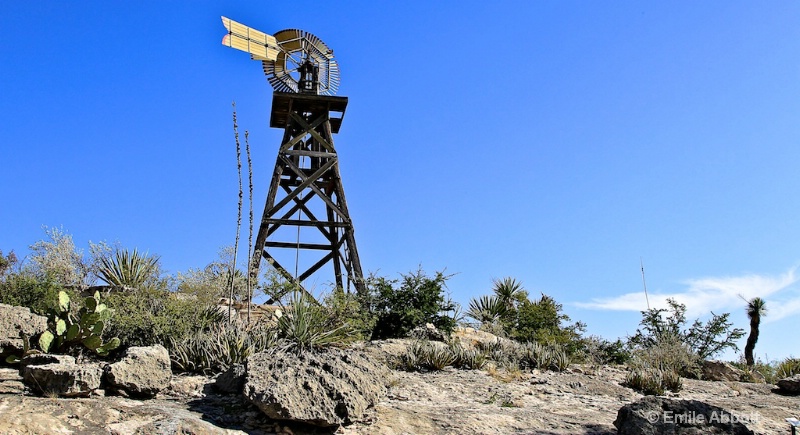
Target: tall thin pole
<point x="641" y="263"/>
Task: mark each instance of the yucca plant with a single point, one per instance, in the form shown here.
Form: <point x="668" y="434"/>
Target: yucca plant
<point x="509" y="291"/>
<point x="486" y="309"/>
<point x="756" y="309"/>
<point x="128" y="269"/>
<point x="305" y="325"/>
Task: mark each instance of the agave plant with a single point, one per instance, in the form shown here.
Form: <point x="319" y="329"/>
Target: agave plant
<point x="215" y="350"/>
<point x="127" y="268"/>
<point x="440" y="357"/>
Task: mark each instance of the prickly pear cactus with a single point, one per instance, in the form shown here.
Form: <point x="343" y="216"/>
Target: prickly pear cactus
<point x="85" y="328"/>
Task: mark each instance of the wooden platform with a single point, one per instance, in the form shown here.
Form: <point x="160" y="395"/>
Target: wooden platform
<point x="284" y="103"/>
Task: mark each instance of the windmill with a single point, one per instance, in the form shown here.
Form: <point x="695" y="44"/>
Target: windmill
<point x="305" y="182"/>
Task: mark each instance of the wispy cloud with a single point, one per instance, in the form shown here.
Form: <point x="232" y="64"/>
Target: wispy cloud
<point x="717" y="294"/>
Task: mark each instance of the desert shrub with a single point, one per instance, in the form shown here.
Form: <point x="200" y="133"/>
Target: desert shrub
<point x="704" y="339"/>
<point x="26" y="290"/>
<point x="758" y="370"/>
<point x="347" y="308"/>
<point x="669" y="354"/>
<point x="218" y="348"/>
<point x="772" y="372"/>
<point x="543" y="321"/>
<point x="530" y="355"/>
<point x="415" y="300"/>
<point x="57" y="260"/>
<point x="151" y="315"/>
<point x="787" y="368"/>
<point x="213" y="281"/>
<point x="306" y="325"/>
<point x="7" y="263"/>
<point x="598" y="351"/>
<point x="509" y="312"/>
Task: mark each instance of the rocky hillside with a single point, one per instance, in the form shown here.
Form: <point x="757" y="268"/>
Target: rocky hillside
<point x="581" y="400"/>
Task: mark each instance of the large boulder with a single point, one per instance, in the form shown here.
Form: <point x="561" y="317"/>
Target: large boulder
<point x="721" y="371"/>
<point x="63" y="378"/>
<point x="15" y="322"/>
<point x="654" y="415"/>
<point x="324" y="388"/>
<point x="141" y="373"/>
<point x="790" y="385"/>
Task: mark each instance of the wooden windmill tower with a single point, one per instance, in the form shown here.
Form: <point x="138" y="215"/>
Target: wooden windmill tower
<point x="306" y="189"/>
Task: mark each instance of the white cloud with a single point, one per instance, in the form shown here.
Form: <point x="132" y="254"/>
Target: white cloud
<point x="717" y="294"/>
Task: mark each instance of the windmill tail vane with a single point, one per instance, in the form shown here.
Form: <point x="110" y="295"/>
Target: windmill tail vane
<point x="260" y="45"/>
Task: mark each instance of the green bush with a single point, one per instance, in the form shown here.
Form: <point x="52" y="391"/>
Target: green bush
<point x="7" y="262"/>
<point x="417" y="300"/>
<point x="599" y="351"/>
<point x="669" y="354"/>
<point x="704" y="339"/>
<point x="348" y="308"/>
<point x="148" y="316"/>
<point x="543" y="321"/>
<point x="26" y="290"/>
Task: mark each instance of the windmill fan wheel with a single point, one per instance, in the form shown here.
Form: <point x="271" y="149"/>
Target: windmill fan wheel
<point x="296" y="47"/>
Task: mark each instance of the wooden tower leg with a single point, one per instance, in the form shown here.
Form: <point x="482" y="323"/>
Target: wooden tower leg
<point x="307" y="172"/>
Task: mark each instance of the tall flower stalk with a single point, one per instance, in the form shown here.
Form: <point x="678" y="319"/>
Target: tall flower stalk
<point x="239" y="212"/>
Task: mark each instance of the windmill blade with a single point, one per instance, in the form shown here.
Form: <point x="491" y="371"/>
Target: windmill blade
<point x="296" y="46"/>
<point x="260" y="45"/>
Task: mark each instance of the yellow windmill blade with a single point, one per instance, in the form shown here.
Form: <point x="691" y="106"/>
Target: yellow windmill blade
<point x="260" y="45"/>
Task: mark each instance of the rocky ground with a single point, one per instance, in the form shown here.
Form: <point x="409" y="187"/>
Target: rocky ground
<point x="580" y="401"/>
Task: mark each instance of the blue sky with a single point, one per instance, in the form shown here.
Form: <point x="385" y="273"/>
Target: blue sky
<point x="558" y="142"/>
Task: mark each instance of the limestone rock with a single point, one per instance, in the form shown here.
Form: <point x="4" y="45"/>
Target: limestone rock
<point x="63" y="378"/>
<point x="427" y="332"/>
<point x="325" y="388"/>
<point x="658" y="415"/>
<point x="11" y="382"/>
<point x="142" y="372"/>
<point x="721" y="371"/>
<point x="232" y="380"/>
<point x="16" y="320"/>
<point x="790" y="385"/>
<point x="39" y="359"/>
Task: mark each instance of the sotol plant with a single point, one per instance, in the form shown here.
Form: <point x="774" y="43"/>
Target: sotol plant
<point x="85" y="328"/>
<point x="127" y="268"/>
